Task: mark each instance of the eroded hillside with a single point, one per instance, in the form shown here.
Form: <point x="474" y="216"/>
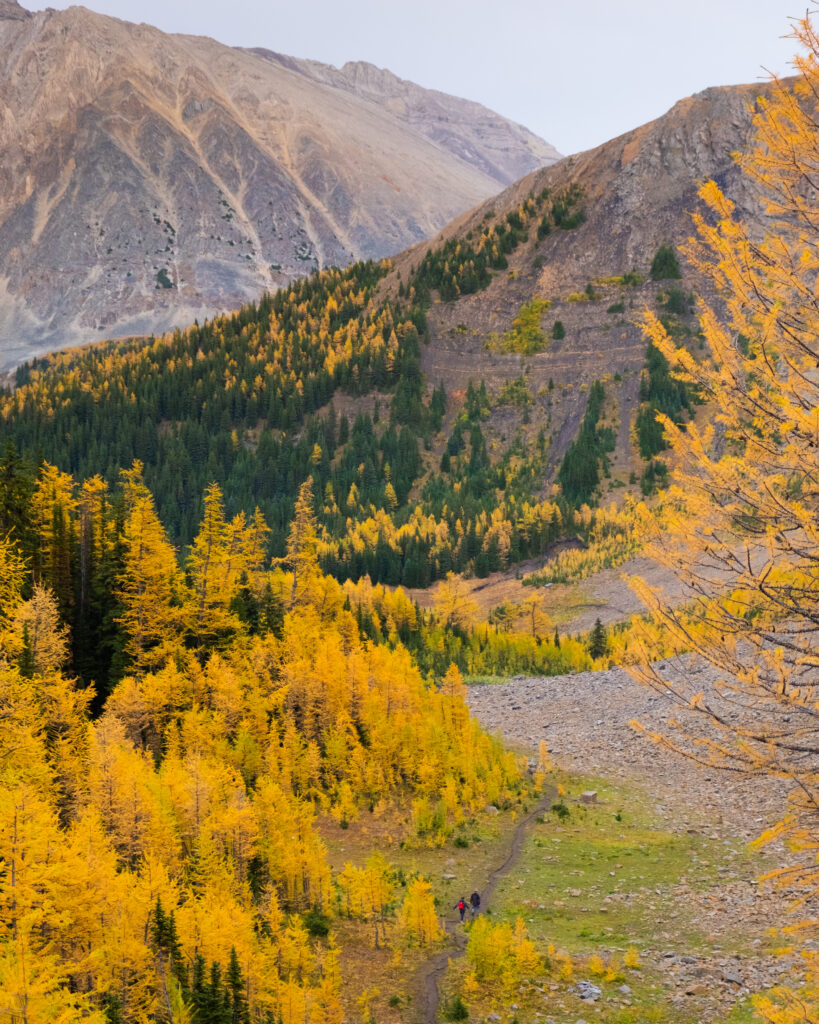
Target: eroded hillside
<point x="148" y="179"/>
<point x="637" y="194"/>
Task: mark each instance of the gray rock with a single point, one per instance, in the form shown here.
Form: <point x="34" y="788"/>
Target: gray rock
<point x="586" y="990"/>
<point x="100" y="189"/>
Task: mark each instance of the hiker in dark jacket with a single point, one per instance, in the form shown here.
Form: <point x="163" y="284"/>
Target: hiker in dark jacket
<point x="475" y="903"/>
<point x="460" y="906"/>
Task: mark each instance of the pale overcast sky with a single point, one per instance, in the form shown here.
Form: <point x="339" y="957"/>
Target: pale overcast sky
<point x="576" y="73"/>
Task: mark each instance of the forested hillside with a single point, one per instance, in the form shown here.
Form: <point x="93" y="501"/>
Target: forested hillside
<point x="442" y="404"/>
<point x="161" y="861"/>
<point x="247" y="401"/>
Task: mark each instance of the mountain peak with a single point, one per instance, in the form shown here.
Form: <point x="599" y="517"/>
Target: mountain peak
<point x="154" y="178"/>
<point x="10" y="10"/>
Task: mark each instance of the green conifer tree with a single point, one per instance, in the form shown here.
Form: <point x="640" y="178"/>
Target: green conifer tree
<point x="598" y="641"/>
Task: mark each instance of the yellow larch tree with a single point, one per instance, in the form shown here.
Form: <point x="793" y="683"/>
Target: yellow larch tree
<point x="36" y="633"/>
<point x="223" y="555"/>
<point x="453" y="603"/>
<point x="742" y="526"/>
<point x="32" y="989"/>
<point x="150" y="586"/>
<point x="302" y="542"/>
<point x="418" y="918"/>
<point x="53" y="505"/>
<point x="13" y="573"/>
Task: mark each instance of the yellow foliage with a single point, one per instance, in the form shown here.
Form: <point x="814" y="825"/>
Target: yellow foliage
<point x="199" y="784"/>
<point x="631" y="958"/>
<point x="501" y="954"/>
<point x="742" y="529"/>
<point x="418" y="918"/>
<point x="596" y="966"/>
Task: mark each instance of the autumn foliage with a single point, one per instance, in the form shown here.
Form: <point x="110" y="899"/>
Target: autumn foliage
<point x="742" y="524"/>
<point x="165" y="853"/>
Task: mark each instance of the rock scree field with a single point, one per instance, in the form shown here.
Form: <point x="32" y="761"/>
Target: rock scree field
<point x="659" y="860"/>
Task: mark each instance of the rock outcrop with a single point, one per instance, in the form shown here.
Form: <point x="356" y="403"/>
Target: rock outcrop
<point x="147" y="179"/>
<point x="638" y="193"/>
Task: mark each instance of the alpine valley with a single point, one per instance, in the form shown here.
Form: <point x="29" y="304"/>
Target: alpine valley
<point x="436" y="515"/>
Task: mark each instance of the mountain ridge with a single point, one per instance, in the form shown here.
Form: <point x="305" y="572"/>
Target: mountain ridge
<point x="147" y="179"/>
<point x="412" y="103"/>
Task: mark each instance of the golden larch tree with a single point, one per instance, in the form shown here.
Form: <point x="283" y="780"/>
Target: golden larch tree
<point x="150" y="585"/>
<point x="742" y="526"/>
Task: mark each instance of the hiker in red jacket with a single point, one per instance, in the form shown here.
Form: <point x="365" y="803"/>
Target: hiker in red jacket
<point x="460" y="906"/>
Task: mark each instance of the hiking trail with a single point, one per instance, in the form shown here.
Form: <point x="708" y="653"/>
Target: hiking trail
<point x="431" y="977"/>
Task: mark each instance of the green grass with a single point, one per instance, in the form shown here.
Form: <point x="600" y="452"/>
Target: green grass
<point x="626" y="870"/>
<point x="486" y="680"/>
<point x="605" y="878"/>
<point x="742" y="1014"/>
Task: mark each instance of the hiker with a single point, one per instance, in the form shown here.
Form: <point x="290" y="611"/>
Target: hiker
<point x="475" y="903"/>
<point x="460" y="906"/>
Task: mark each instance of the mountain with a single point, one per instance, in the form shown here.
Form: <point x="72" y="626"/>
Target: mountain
<point x="147" y="179"/>
<point x="636" y="194"/>
<point x="455" y="406"/>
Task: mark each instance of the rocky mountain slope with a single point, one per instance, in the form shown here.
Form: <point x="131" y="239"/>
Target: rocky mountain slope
<point x="147" y="179"/>
<point x="637" y="193"/>
<point x="571" y="246"/>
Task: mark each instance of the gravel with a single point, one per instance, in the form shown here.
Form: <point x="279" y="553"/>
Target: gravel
<point x="585" y="721"/>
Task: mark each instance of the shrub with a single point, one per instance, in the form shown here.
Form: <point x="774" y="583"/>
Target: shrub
<point x="665" y="265"/>
<point x="526" y="336"/>
<point x="676" y="301"/>
<point x="632" y="958"/>
<point x="501" y="955"/>
<point x="316" y="923"/>
<point x="455" y="1009"/>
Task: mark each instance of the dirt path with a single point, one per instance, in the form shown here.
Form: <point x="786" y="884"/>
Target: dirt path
<point x="431" y="977"/>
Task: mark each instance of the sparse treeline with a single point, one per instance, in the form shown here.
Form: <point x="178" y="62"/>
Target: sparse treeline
<point x="164" y="862"/>
<point x="462" y="266"/>
<point x="448" y="633"/>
